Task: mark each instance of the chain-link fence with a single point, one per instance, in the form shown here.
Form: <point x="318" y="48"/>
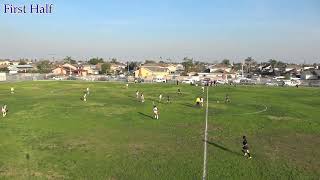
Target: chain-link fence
<point x="5" y="77"/>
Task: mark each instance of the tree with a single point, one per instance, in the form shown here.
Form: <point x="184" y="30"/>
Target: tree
<point x="105" y="67"/>
<point x="69" y="60"/>
<point x="44" y="66"/>
<point x="95" y="61"/>
<point x="132" y="66"/>
<point x="149" y="62"/>
<point x="187" y="64"/>
<point x="198" y="67"/>
<point x="225" y="61"/>
<point x="4" y="69"/>
<point x="248" y="62"/>
<point x="272" y="62"/>
<point x="22" y="62"/>
<point x="114" y="61"/>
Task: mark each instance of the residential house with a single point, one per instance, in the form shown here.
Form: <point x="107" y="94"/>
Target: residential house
<point x="150" y="72"/>
<point x="65" y="69"/>
<point x="293" y="67"/>
<point x="15" y="63"/>
<point x="20" y="68"/>
<point x="310" y="75"/>
<point x="91" y="69"/>
<point x="4" y="63"/>
<point x="220" y="67"/>
<point x="219" y="75"/>
<point x="174" y="68"/>
<point x="117" y="67"/>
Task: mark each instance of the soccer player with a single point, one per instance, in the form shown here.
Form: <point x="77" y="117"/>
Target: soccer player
<point x="12" y="90"/>
<point x="168" y="99"/>
<point x="202" y="89"/>
<point x="88" y="90"/>
<point x="85" y="97"/>
<point x="245" y="147"/>
<point x="201" y="101"/>
<point x="179" y="91"/>
<point x="4" y="110"/>
<point x="198" y="101"/>
<point x="227" y="99"/>
<point x="160" y="97"/>
<point x="142" y="98"/>
<point x="127" y="85"/>
<point x="137" y="94"/>
<point x="155" y="112"/>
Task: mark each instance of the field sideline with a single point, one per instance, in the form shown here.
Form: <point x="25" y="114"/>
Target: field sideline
<point x="113" y="136"/>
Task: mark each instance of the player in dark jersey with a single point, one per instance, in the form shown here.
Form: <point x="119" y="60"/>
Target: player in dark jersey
<point x="227" y="99"/>
<point x="245" y="147"/>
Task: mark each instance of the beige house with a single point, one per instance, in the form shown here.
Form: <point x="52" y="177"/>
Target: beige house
<point x="4" y="63"/>
<point x="65" y="69"/>
<point x="117" y="67"/>
<point x="91" y="69"/>
<point x="150" y="72"/>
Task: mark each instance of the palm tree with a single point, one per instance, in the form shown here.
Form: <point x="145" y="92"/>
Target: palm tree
<point x="248" y="62"/>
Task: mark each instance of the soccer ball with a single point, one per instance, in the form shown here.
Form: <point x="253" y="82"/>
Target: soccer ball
<point x="218" y="102"/>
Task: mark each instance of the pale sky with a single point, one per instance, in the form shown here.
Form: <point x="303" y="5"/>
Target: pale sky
<point x="287" y="30"/>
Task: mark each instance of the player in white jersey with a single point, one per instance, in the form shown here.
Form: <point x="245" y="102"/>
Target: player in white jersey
<point x="155" y="112"/>
<point x="202" y="89"/>
<point x="142" y="98"/>
<point x="12" y="90"/>
<point x="85" y="97"/>
<point x="137" y="94"/>
<point x="160" y="97"/>
<point x="201" y="101"/>
<point x="88" y="90"/>
<point x="4" y="110"/>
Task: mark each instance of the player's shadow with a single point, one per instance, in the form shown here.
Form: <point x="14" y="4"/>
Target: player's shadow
<point x="145" y="115"/>
<point x="224" y="148"/>
<point x="189" y="105"/>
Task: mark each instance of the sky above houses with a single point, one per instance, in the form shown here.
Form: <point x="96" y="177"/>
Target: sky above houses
<point x="287" y="30"/>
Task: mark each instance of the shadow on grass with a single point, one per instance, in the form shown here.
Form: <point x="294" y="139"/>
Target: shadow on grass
<point x="224" y="148"/>
<point x="189" y="105"/>
<point x="145" y="115"/>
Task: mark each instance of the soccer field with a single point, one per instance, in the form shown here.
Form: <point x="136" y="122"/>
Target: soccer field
<point x="113" y="135"/>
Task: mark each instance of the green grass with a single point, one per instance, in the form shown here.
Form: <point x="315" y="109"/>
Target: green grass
<point x="112" y="136"/>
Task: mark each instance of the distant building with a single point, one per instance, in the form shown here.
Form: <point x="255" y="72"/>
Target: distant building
<point x="4" y="63"/>
<point x="150" y="72"/>
<point x="219" y="67"/>
<point x="65" y="69"/>
<point x="219" y="75"/>
<point x="117" y="67"/>
<point x="91" y="69"/>
<point x="20" y="68"/>
<point x="310" y="75"/>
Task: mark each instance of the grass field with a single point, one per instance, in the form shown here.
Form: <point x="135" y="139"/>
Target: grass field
<point x="112" y="135"/>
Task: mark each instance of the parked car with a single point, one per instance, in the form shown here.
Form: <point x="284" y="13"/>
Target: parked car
<point x="57" y="78"/>
<point x="272" y="84"/>
<point x="291" y="83"/>
<point x="247" y="82"/>
<point x="221" y="82"/>
<point x="188" y="81"/>
<point x="159" y="80"/>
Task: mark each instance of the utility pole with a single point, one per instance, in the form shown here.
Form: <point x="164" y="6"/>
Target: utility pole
<point x="242" y="68"/>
